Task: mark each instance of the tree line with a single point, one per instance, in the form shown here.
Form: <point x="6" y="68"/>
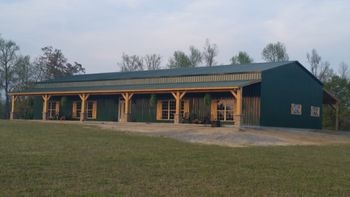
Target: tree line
<point x="18" y="71"/>
<point x="273" y="52"/>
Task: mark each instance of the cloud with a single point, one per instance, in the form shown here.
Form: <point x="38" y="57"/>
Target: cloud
<point x="96" y="33"/>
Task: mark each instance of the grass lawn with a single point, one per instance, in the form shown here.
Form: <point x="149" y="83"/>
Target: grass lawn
<point x="57" y="159"/>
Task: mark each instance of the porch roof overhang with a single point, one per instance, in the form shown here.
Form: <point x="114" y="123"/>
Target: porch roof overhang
<point x="329" y="98"/>
<point x="139" y="88"/>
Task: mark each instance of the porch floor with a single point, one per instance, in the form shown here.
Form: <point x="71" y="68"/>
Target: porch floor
<point x="226" y="136"/>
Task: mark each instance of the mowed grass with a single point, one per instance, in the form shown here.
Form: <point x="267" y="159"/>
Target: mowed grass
<point x="57" y="159"/>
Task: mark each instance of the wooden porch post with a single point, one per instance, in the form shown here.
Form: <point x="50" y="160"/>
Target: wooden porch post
<point x="238" y="94"/>
<point x="46" y="99"/>
<point x="127" y="98"/>
<point x="83" y="98"/>
<point x="13" y="100"/>
<point x="178" y="96"/>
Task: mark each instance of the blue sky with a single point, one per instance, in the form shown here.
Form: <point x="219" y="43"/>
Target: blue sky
<point x="96" y="33"/>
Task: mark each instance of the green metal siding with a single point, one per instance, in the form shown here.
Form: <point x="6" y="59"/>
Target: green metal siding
<point x="37" y="107"/>
<point x="141" y="110"/>
<point x="283" y="86"/>
<point x="66" y="109"/>
<point x="107" y="108"/>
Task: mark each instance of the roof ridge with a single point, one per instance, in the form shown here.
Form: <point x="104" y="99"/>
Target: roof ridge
<point x="183" y="68"/>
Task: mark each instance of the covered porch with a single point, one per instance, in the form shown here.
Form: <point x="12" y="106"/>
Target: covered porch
<point x="332" y="101"/>
<point x="171" y="104"/>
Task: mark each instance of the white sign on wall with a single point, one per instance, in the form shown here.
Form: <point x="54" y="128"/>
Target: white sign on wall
<point x="315" y="111"/>
<point x="295" y="109"/>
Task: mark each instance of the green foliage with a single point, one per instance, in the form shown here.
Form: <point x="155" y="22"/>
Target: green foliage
<point x="8" y="57"/>
<point x="152" y="100"/>
<point x="179" y="60"/>
<point x="24" y="108"/>
<point x="195" y="56"/>
<point x="275" y="52"/>
<point x="207" y="99"/>
<point x="340" y="87"/>
<point x="242" y="58"/>
<point x="25" y="72"/>
<point x="52" y="64"/>
<point x="63" y="102"/>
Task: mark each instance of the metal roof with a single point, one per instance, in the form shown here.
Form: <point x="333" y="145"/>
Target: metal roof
<point x="223" y="69"/>
<point x="143" y="87"/>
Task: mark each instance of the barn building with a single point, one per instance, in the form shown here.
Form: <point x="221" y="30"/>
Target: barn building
<point x="280" y="94"/>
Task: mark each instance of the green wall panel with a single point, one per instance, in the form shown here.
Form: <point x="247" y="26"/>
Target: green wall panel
<point x="141" y="110"/>
<point x="283" y="86"/>
<point x="107" y="108"/>
<point x="37" y="107"/>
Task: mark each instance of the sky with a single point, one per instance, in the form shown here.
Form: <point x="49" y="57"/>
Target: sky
<point x="96" y="33"/>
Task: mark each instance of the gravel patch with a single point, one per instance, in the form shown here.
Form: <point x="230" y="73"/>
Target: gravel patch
<point x="226" y="136"/>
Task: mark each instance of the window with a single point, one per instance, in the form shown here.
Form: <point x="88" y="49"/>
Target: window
<point x="296" y="109"/>
<point x="90" y="109"/>
<point x="167" y="108"/>
<point x="315" y="111"/>
<point x="78" y="109"/>
<point x="225" y="109"/>
<point x="53" y="109"/>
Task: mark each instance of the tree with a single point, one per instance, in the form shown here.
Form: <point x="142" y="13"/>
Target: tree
<point x="344" y="71"/>
<point x="325" y="72"/>
<point x="195" y="56"/>
<point x="179" y="60"/>
<point x="1" y="107"/>
<point x="275" y="52"/>
<point x="153" y="61"/>
<point x="242" y="58"/>
<point x="24" y="72"/>
<point x="209" y="53"/>
<point x="314" y="60"/>
<point x="72" y="69"/>
<point x="340" y="87"/>
<point x="8" y="56"/>
<point x="321" y="70"/>
<point x="131" y="63"/>
<point x="52" y="64"/>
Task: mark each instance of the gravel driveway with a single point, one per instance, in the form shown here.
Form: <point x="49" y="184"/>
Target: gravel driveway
<point x="230" y="136"/>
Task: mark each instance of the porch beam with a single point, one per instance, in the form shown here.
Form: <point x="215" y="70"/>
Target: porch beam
<point x="234" y="93"/>
<point x="46" y="99"/>
<point x="84" y="98"/>
<point x="118" y="92"/>
<point x="127" y="98"/>
<point x="182" y="94"/>
<point x="238" y="111"/>
<point x="13" y="101"/>
<point x="178" y="96"/>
